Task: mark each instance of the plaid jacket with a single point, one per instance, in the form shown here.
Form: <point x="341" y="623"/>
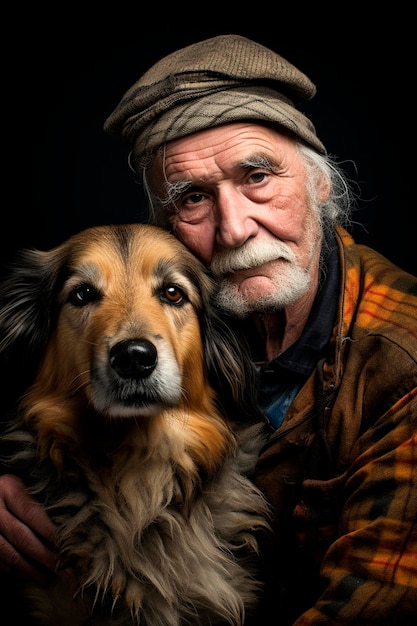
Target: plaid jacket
<point x="341" y="471"/>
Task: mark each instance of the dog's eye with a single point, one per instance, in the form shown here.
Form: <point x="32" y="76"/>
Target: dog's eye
<point x="83" y="294"/>
<point x="173" y="294"/>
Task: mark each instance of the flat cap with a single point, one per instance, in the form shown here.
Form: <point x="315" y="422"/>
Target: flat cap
<point x="227" y="78"/>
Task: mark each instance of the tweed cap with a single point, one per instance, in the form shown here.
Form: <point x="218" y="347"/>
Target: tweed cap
<point x="227" y="78"/>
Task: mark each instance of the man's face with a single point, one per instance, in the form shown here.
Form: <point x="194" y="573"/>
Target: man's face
<point x="236" y="196"/>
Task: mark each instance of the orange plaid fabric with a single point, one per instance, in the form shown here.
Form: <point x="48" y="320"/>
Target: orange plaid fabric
<point x="341" y="471"/>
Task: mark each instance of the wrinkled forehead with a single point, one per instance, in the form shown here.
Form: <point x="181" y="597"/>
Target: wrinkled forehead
<point x="203" y="156"/>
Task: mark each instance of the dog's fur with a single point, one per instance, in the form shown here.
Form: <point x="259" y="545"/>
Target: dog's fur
<point x="129" y="431"/>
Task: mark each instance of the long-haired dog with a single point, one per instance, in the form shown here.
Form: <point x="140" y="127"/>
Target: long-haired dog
<point x="138" y="431"/>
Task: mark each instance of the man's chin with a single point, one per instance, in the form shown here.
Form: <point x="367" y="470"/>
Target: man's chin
<point x="237" y="300"/>
<point x="242" y="295"/>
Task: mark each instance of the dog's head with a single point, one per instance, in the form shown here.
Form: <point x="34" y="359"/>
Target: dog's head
<point x="121" y="318"/>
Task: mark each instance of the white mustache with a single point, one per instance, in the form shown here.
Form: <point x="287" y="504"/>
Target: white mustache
<point x="251" y="254"/>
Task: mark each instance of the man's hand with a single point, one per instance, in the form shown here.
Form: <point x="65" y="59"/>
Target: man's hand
<point x="26" y="534"/>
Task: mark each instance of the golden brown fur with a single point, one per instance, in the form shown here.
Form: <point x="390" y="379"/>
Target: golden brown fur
<point x="130" y="430"/>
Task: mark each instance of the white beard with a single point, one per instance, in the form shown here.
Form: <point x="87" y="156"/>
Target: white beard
<point x="288" y="284"/>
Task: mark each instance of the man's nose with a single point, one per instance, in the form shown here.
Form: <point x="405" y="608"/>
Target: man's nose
<point x="235" y="219"/>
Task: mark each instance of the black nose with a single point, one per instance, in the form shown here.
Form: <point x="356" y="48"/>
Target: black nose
<point x="134" y="358"/>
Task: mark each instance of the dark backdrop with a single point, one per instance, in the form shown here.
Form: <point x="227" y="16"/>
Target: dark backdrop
<point x="62" y="78"/>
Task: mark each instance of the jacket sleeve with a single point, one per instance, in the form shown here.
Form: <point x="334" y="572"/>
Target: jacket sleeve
<point x="370" y="570"/>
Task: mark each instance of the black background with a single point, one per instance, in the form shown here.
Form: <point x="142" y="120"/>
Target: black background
<point x="63" y="74"/>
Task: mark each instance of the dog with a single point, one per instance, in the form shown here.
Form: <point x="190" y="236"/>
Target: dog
<point x="139" y="431"/>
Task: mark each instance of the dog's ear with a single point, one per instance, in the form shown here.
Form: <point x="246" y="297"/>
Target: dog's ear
<point x="27" y="294"/>
<point x="227" y="357"/>
<point x="230" y="369"/>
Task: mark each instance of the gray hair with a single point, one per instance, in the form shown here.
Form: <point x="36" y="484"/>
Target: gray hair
<point x="337" y="208"/>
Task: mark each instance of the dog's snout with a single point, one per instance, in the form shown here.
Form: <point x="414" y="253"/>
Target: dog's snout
<point x="134" y="358"/>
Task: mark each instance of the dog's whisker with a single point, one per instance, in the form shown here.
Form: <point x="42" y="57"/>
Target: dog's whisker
<point x="82" y="373"/>
<point x="83" y="384"/>
<point x="90" y="343"/>
<point x="80" y="388"/>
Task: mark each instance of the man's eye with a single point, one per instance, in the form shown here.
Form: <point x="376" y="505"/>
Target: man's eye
<point x="173" y="294"/>
<point x="258" y="177"/>
<point x="194" y="198"/>
<point x="83" y="294"/>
